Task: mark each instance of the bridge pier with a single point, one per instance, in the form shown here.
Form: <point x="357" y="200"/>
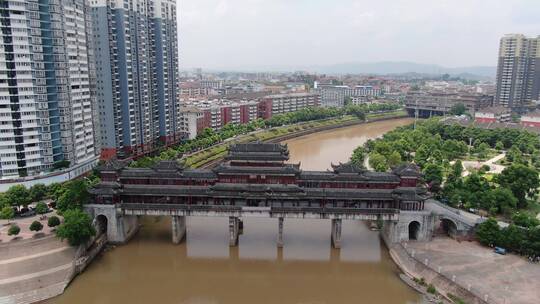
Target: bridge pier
<point x="336" y="233"/>
<point x="178" y="229"/>
<point x="280" y="232"/>
<point x="234" y="223"/>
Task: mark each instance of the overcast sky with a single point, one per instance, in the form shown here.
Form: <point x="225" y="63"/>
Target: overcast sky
<point x="244" y="34"/>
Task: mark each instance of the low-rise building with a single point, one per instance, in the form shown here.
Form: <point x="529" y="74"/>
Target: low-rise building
<point x="531" y="119"/>
<point x="493" y="114"/>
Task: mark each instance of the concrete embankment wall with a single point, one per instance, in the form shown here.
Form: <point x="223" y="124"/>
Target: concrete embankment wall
<point x="415" y="268"/>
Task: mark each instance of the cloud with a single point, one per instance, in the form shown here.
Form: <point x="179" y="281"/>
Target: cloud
<point x="292" y="33"/>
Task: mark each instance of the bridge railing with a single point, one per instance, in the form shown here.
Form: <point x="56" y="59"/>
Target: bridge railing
<point x="217" y="208"/>
<point x="173" y="207"/>
<point x="334" y="210"/>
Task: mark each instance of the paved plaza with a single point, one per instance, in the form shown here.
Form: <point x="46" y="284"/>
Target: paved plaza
<point x="505" y="279"/>
<point x="24" y="224"/>
<point x="34" y="266"/>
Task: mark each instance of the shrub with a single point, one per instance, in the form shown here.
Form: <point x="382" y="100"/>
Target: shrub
<point x="53" y="221"/>
<point x="14" y="230"/>
<point x="41" y="208"/>
<point x="455" y="298"/>
<point x="7" y="213"/>
<point x="36" y="226"/>
<point x="431" y="289"/>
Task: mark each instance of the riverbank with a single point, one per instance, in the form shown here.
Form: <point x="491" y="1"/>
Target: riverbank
<point x="214" y="154"/>
<point x="33" y="270"/>
<point x="416" y="270"/>
<point x="467" y="271"/>
<point x="39" y="268"/>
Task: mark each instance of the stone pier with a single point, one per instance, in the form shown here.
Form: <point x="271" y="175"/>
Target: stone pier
<point x="336" y="233"/>
<point x="178" y="229"/>
<point x="280" y="232"/>
<point x="233" y="230"/>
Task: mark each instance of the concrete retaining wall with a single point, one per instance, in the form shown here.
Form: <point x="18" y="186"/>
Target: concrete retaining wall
<point x="414" y="268"/>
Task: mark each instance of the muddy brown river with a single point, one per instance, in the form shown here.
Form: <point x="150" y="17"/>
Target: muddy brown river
<point x="204" y="270"/>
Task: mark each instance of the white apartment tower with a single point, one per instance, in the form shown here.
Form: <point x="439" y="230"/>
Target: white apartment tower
<point x="45" y="87"/>
<point x="518" y="71"/>
<point x="136" y="49"/>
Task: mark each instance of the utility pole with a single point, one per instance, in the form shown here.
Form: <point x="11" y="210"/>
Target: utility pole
<point x="416" y="113"/>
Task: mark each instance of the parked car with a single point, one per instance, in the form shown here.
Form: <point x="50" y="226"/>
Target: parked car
<point x="500" y="250"/>
<point x="26" y="212"/>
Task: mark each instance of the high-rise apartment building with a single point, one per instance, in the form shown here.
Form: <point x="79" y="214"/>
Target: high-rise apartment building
<point x="518" y="72"/>
<point x="136" y="49"/>
<point x="46" y="92"/>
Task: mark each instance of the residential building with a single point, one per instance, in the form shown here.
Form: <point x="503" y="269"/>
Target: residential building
<point x="430" y="103"/>
<point x="136" y="51"/>
<point x="334" y="95"/>
<point x="518" y="71"/>
<point x="191" y="122"/>
<point x="215" y="114"/>
<point x="46" y="90"/>
<point x="493" y="114"/>
<point x="211" y="84"/>
<point x="285" y="103"/>
<point x="193" y="90"/>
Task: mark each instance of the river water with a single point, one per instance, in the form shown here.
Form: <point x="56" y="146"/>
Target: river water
<point x="204" y="270"/>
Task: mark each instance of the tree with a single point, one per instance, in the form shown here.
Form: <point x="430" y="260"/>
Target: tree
<point x="394" y="159"/>
<point x="18" y="196"/>
<point x="433" y="174"/>
<point x="358" y="157"/>
<point x="77" y="227"/>
<point x="500" y="200"/>
<point x="524" y="219"/>
<point x="38" y="192"/>
<point x="521" y="180"/>
<point x="421" y="156"/>
<point x="455" y="171"/>
<point x="36" y="226"/>
<point x="488" y="232"/>
<point x="61" y="164"/>
<point x="458" y="109"/>
<point x="74" y="196"/>
<point x="482" y="150"/>
<point x="4" y="201"/>
<point x="514" y="155"/>
<point x="7" y="213"/>
<point x="378" y="162"/>
<point x="53" y="221"/>
<point x="512" y="238"/>
<point x="499" y="146"/>
<point x="14" y="230"/>
<point x="55" y="190"/>
<point x="41" y="208"/>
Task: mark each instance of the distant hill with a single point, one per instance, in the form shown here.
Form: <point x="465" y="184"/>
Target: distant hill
<point x="378" y="68"/>
<point x="403" y="67"/>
